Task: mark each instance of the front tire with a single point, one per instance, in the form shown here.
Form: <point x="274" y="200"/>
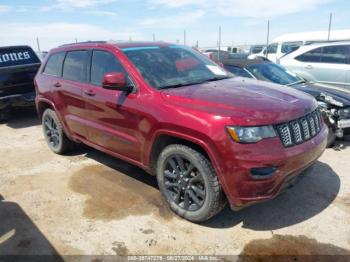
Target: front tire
<point x="54" y="134"/>
<point x="189" y="183"/>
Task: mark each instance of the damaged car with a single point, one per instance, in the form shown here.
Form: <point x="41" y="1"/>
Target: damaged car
<point x="334" y="102"/>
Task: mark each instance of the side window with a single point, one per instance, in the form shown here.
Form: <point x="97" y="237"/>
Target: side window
<point x="288" y="47"/>
<point x="335" y="54"/>
<point x="102" y="63"/>
<point x="54" y="64"/>
<point x="238" y="71"/>
<point x="272" y="49"/>
<point x="311" y="56"/>
<point x="75" y="66"/>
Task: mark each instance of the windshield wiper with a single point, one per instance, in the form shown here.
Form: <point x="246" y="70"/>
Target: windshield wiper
<point x="176" y="85"/>
<point x="194" y="83"/>
<point x="297" y="82"/>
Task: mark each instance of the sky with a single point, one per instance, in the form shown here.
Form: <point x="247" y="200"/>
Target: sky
<point x="55" y="22"/>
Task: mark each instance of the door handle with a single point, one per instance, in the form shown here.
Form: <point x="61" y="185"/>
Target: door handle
<point x="309" y="67"/>
<point x="90" y="92"/>
<point x="58" y="84"/>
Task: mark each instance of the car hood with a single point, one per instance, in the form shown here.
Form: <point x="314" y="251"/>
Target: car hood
<point x="246" y="101"/>
<point x="335" y="96"/>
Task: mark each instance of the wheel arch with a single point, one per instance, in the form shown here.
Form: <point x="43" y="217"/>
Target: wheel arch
<point x="164" y="138"/>
<point x="42" y="104"/>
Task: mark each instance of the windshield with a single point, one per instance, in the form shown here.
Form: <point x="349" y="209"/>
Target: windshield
<point x="173" y="66"/>
<point x="273" y="73"/>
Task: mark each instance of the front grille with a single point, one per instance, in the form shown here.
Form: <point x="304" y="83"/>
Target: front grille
<point x="298" y="131"/>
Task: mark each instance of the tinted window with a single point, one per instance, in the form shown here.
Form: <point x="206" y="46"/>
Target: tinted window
<point x="335" y="54"/>
<point x="273" y="73"/>
<point x="54" y="64"/>
<point x="12" y="56"/>
<point x="290" y="47"/>
<point x="102" y="63"/>
<point x="311" y="56"/>
<point x="272" y="49"/>
<point x="238" y="71"/>
<point x="328" y="54"/>
<point x="256" y="49"/>
<point x="75" y="66"/>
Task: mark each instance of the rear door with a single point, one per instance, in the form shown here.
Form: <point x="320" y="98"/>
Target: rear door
<point x="68" y="91"/>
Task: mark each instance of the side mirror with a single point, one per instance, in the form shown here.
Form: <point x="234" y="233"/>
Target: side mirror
<point x="116" y="81"/>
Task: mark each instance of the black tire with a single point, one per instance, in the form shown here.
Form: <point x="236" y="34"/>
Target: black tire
<point x="54" y="134"/>
<point x="202" y="183"/>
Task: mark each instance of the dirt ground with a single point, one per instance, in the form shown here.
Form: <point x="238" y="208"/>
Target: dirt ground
<point x="91" y="203"/>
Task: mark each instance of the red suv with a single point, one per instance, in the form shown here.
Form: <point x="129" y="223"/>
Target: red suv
<point x="208" y="136"/>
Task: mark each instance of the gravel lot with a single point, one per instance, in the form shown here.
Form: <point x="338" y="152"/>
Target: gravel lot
<point x="90" y="203"/>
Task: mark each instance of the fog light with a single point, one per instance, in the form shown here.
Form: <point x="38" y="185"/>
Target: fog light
<point x="263" y="172"/>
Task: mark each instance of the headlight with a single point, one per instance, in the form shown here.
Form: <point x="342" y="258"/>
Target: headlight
<point x="251" y="134"/>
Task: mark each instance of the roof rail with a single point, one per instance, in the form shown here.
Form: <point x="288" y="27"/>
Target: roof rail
<point x="85" y="42"/>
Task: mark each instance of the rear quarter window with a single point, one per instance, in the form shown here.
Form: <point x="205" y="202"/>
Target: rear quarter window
<point x="18" y="55"/>
<point x="54" y="64"/>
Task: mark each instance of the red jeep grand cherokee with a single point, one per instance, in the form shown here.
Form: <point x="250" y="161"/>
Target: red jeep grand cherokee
<point x="206" y="135"/>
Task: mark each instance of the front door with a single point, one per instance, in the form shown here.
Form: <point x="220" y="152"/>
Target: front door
<point x="113" y="123"/>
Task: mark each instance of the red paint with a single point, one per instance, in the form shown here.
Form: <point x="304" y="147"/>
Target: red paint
<point x="126" y="126"/>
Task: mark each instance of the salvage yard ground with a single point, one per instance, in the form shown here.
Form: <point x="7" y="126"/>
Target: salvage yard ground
<point x="91" y="203"/>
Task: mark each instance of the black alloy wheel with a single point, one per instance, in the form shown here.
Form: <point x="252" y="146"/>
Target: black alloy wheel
<point x="51" y="131"/>
<point x="184" y="183"/>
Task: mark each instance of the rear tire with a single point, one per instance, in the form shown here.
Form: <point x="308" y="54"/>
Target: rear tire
<point x="54" y="134"/>
<point x="188" y="181"/>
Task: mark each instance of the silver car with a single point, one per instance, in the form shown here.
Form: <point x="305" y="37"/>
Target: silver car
<point x="327" y="63"/>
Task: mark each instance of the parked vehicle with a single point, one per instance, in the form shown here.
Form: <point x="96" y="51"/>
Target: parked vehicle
<point x="327" y="63"/>
<point x="256" y="49"/>
<point x="170" y="110"/>
<point x="18" y="66"/>
<point x="334" y="103"/>
<point x="275" y="51"/>
<point x="288" y="43"/>
<point x="216" y="55"/>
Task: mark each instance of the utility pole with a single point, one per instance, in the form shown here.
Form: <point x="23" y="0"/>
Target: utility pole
<point x="185" y="37"/>
<point x="76" y="40"/>
<point x="38" y="44"/>
<point x="154" y="37"/>
<point x="268" y="37"/>
<point x="330" y="26"/>
<point x="219" y="44"/>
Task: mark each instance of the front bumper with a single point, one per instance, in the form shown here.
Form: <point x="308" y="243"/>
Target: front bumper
<point x="243" y="190"/>
<point x="18" y="100"/>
